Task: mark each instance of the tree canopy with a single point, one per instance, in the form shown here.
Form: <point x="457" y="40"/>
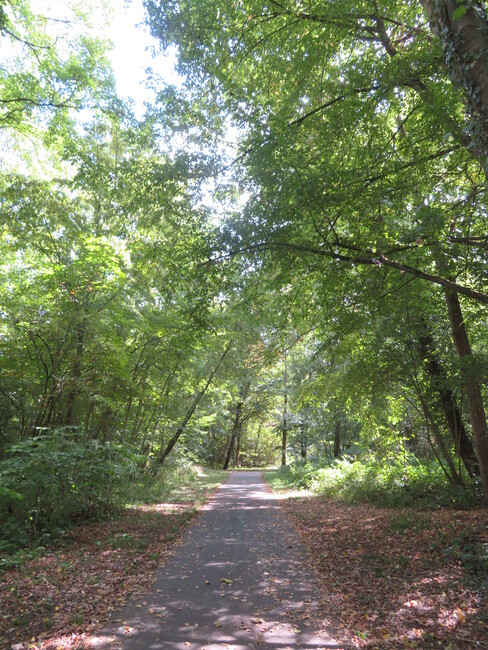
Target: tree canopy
<point x="284" y="259"/>
<point x="361" y="145"/>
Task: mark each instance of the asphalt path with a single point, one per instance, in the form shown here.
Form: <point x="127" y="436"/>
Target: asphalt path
<point x="238" y="580"/>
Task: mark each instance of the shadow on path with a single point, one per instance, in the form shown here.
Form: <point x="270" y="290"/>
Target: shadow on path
<point x="239" y="580"/>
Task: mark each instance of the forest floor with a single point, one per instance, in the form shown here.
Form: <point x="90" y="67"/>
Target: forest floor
<point x="398" y="578"/>
<point x="56" y="599"/>
<point x="389" y="578"/>
<point x="238" y="580"/>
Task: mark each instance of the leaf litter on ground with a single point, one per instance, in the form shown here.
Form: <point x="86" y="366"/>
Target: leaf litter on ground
<point x="398" y="578"/>
<point x="60" y="598"/>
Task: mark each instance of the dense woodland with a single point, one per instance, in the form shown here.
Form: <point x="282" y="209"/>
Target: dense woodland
<point x="284" y="261"/>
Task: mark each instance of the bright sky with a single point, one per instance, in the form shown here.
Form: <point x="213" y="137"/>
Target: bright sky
<point x="133" y="44"/>
<point x="131" y="55"/>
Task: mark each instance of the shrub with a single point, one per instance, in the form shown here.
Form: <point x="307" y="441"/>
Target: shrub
<point x="392" y="481"/>
<point x="153" y="488"/>
<point x="50" y="480"/>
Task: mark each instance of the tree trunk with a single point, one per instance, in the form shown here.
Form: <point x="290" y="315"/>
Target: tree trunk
<point x="235" y="430"/>
<point x="464" y="446"/>
<point x="76" y="374"/>
<point x="192" y="408"/>
<point x="303" y="443"/>
<point x="285" y="416"/>
<point x="462" y="28"/>
<point x="337" y="440"/>
<point x="472" y="386"/>
<point x="453" y="475"/>
<point x="238" y="447"/>
<point x="256" y="444"/>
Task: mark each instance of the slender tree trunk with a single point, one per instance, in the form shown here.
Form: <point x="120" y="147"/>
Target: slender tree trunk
<point x="103" y="424"/>
<point x="337" y="440"/>
<point x="235" y="430"/>
<point x="303" y="443"/>
<point x="236" y="427"/>
<point x="327" y="448"/>
<point x="127" y="411"/>
<point x="238" y="447"/>
<point x="453" y="477"/>
<point x="284" y="434"/>
<point x="165" y="392"/>
<point x="88" y="418"/>
<point x="76" y="374"/>
<point x="256" y="445"/>
<point x="192" y="408"/>
<point x="436" y="453"/>
<point x="137" y="420"/>
<point x="472" y="386"/>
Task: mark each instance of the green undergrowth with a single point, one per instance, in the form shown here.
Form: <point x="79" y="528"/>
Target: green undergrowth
<point x="387" y="483"/>
<point x="52" y="482"/>
<point x="179" y="483"/>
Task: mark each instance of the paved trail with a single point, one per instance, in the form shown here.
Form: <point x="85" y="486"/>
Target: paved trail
<point x="238" y="581"/>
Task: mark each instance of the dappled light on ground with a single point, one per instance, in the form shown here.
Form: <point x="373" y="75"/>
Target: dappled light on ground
<point x="83" y="641"/>
<point x="239" y="580"/>
<point x="58" y="599"/>
<point x="388" y="579"/>
<point x="162" y="507"/>
<point x="393" y="578"/>
<point x="242" y="581"/>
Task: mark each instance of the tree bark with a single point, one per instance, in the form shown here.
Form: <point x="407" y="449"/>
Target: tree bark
<point x="192" y="408"/>
<point x="235" y="430"/>
<point x="463" y="31"/>
<point x="303" y="443"/>
<point x="256" y="444"/>
<point x="284" y="434"/>
<point x="71" y="419"/>
<point x="464" y="446"/>
<point x="238" y="448"/>
<point x="452" y="476"/>
<point x="471" y="382"/>
<point x="238" y="420"/>
<point x="337" y="439"/>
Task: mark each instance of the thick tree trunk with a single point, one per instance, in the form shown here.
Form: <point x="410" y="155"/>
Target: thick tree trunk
<point x="472" y="386"/>
<point x="462" y="28"/>
<point x="192" y="408"/>
<point x="463" y="444"/>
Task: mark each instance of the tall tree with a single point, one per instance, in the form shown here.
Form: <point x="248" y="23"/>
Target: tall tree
<point x="355" y="142"/>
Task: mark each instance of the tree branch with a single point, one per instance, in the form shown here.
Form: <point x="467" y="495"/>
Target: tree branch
<point x="366" y="258"/>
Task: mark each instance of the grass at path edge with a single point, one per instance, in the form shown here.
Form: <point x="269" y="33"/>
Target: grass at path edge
<point x="60" y="597"/>
<point x="395" y="578"/>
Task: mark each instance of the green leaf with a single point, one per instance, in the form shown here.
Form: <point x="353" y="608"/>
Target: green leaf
<point x="459" y="12"/>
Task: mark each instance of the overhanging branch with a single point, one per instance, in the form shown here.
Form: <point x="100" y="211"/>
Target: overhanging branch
<point x="365" y="258"/>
